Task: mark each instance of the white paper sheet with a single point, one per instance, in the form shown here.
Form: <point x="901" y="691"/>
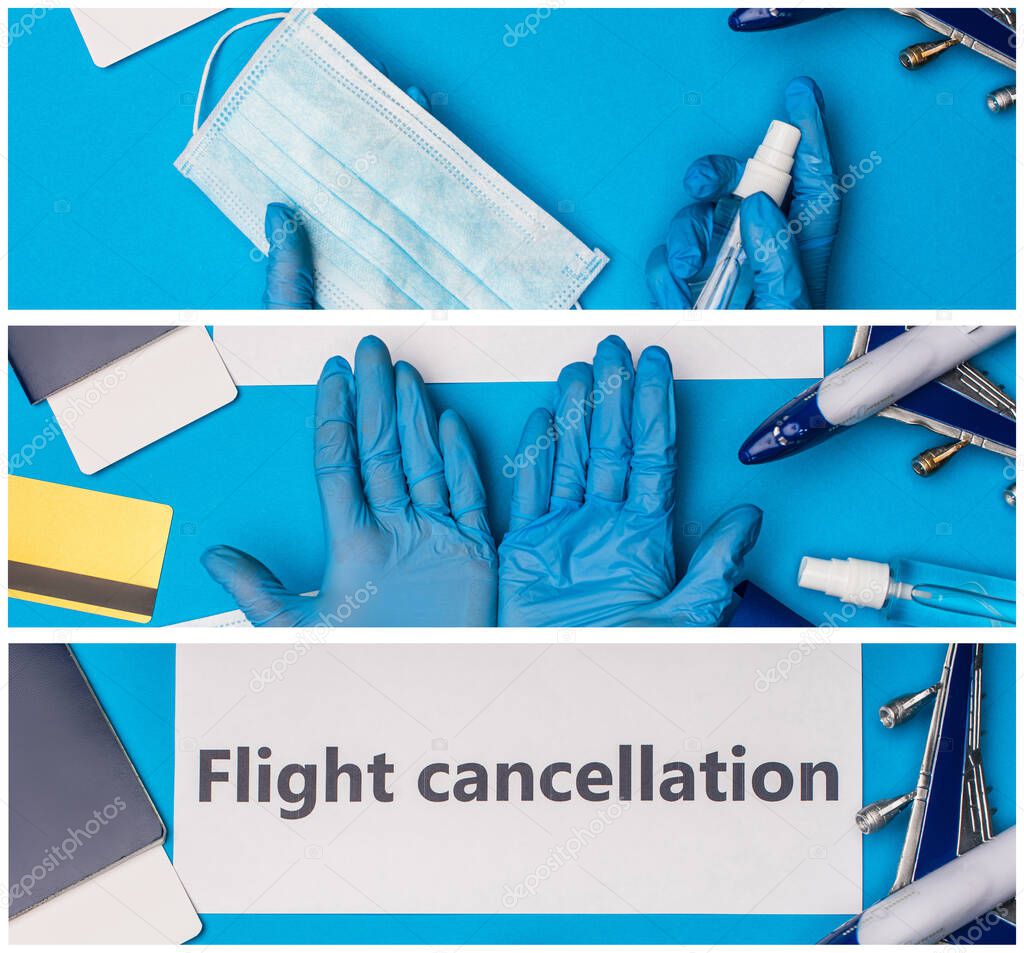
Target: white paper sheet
<point x="507" y="703"/>
<point x="449" y="354"/>
<point x="142" y="397"/>
<point x="113" y="33"/>
<point x="140" y="900"/>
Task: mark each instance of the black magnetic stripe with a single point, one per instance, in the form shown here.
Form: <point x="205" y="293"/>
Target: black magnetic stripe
<point x="76" y="587"/>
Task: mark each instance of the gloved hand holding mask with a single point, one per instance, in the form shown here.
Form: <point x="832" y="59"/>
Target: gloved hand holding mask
<point x="788" y="256"/>
<point x="290" y="257"/>
<point x="590" y="537"/>
<point x="408" y="541"/>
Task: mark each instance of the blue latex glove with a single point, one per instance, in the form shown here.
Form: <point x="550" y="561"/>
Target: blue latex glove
<point x="290" y="258"/>
<point x="403" y="507"/>
<point x="590" y="538"/>
<point x="789" y="256"/>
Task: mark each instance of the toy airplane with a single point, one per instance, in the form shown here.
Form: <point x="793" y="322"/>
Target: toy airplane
<point x="962" y="404"/>
<point x="949" y="817"/>
<point x="990" y="31"/>
<point x="915" y="375"/>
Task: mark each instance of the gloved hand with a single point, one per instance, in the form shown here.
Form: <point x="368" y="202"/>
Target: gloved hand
<point x="590" y="538"/>
<point x="789" y="257"/>
<point x="403" y="508"/>
<point x="290" y="258"/>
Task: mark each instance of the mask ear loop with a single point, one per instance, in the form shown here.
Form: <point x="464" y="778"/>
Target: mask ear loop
<point x="213" y="53"/>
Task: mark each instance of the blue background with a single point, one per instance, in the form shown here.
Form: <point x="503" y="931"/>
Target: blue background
<point x="135" y="685"/>
<point x="243" y="476"/>
<point x="595" y="116"/>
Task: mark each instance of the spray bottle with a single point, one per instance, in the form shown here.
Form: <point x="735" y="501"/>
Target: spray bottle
<point x="914" y="593"/>
<point x="767" y="171"/>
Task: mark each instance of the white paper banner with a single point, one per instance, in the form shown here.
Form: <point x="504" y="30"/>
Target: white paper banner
<point x="742" y="780"/>
<point x="449" y="354"/>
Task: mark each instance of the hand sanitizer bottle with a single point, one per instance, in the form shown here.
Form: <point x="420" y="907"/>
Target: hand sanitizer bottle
<point x="767" y="171"/>
<point x="914" y="593"/>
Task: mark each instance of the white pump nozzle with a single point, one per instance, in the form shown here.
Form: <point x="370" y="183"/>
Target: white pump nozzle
<point x="857" y="581"/>
<point x="768" y="170"/>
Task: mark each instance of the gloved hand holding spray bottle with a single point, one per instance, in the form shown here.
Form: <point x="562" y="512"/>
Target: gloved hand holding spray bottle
<point x="767" y="171"/>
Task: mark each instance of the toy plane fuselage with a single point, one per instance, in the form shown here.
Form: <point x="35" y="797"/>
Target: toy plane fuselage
<point x="949" y="808"/>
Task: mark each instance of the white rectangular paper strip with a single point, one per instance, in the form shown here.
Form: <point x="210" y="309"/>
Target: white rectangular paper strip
<point x="448" y="354"/>
<point x="139" y="900"/>
<point x="539" y="704"/>
<point x="113" y="33"/>
<point x="142" y="397"/>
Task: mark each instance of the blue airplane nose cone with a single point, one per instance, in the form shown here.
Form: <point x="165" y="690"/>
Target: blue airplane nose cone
<point x="761" y="446"/>
<point x="790" y="429"/>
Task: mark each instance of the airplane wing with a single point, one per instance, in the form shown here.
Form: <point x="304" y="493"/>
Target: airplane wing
<point x="963" y="404"/>
<point x="990" y="31"/>
<point x="949" y="809"/>
<point x="954" y="815"/>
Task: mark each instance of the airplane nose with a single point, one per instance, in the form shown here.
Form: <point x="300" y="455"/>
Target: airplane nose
<point x="761" y="446"/>
<point x="790" y="429"/>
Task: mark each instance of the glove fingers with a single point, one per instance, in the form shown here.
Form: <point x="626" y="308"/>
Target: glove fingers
<point x="572" y="424"/>
<point x="380" y="453"/>
<point x="465" y="488"/>
<point x="712" y="177"/>
<point x="289" y="261"/>
<point x="335" y="452"/>
<point x="532" y="470"/>
<point x="255" y="588"/>
<point x="653" y="470"/>
<point x="706" y="590"/>
<point x="778" y="280"/>
<point x="813" y="172"/>
<point x="418" y="435"/>
<point x="417" y="94"/>
<point x="689" y="240"/>
<point x="816" y="199"/>
<point x="666" y="293"/>
<point x="610" y="443"/>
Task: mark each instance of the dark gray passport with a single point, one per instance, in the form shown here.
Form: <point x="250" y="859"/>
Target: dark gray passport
<point x="47" y="357"/>
<point x="77" y="805"/>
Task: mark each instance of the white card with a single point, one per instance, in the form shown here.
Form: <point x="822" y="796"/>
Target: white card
<point x="140" y="900"/>
<point x="453" y="704"/>
<point x="232" y="619"/>
<point x="113" y="33"/>
<point x="142" y="397"/>
<point x="449" y="354"/>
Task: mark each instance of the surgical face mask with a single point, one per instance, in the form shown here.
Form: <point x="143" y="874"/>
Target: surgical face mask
<point x="400" y="212"/>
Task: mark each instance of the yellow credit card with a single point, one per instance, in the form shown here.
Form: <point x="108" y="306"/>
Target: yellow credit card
<point x="84" y="550"/>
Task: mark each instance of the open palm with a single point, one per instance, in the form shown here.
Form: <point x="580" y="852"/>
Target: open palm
<point x="590" y="539"/>
<point x="403" y="509"/>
